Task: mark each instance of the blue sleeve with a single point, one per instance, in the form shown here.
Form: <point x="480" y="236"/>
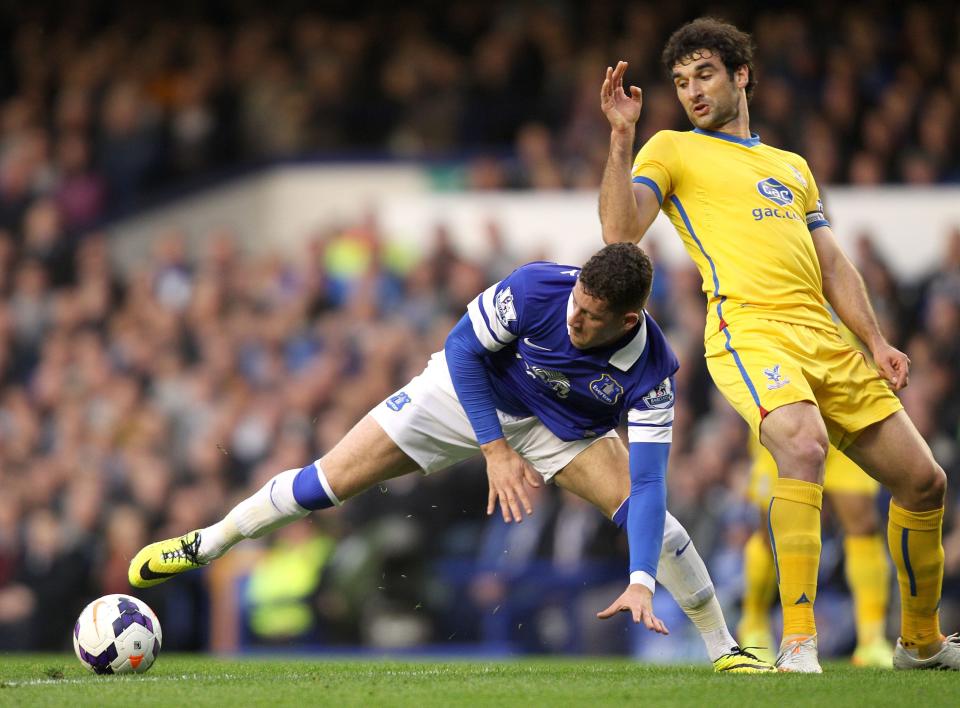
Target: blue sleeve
<point x="464" y="354"/>
<point x="491" y="323"/>
<point x="650" y="434"/>
<point x="648" y="504"/>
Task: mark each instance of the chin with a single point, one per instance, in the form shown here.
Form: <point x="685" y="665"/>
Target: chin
<point x="703" y="123"/>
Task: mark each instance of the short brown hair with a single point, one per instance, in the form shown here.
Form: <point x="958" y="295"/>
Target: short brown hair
<point x="733" y="46"/>
<point x="621" y="274"/>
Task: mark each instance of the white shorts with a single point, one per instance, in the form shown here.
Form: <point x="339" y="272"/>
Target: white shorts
<point x="426" y="421"/>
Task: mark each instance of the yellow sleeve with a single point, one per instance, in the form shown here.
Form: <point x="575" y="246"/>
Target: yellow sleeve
<point x="813" y="209"/>
<point x="658" y="165"/>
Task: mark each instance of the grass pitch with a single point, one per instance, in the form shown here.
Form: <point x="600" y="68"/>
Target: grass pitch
<point x="197" y="680"/>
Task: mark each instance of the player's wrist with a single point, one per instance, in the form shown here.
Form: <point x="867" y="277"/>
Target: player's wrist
<point x="875" y="343"/>
<point x="640" y="577"/>
<point x="497" y="447"/>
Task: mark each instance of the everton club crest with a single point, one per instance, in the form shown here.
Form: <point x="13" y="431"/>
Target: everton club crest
<point x="606" y="389"/>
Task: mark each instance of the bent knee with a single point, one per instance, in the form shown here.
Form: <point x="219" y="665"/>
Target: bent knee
<point x="803" y="458"/>
<point x="929" y="486"/>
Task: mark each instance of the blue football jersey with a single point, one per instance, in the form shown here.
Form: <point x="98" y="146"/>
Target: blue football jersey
<point x="577" y="393"/>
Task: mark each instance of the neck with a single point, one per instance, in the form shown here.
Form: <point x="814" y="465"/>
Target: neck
<point x="739" y="125"/>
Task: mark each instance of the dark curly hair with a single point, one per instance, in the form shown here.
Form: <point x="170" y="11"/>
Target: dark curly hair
<point x="620" y="274"/>
<point x="733" y="46"/>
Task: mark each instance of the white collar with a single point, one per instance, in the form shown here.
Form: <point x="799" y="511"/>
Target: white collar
<point x="627" y="356"/>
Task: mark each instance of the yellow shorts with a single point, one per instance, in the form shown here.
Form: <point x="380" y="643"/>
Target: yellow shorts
<point x="760" y="365"/>
<point x="842" y="475"/>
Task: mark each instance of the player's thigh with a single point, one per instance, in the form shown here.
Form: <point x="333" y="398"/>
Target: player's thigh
<point x="894" y="453"/>
<point x="600" y="474"/>
<point x="752" y="365"/>
<point x="420" y="426"/>
<point x="365" y="456"/>
<point x="853" y="396"/>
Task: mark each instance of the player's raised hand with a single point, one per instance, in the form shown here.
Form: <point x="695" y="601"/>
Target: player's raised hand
<point x="638" y="601"/>
<point x="507" y="473"/>
<point x="893" y="364"/>
<point x="621" y="110"/>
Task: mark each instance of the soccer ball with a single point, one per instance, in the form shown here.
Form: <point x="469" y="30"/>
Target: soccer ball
<point x="117" y="634"/>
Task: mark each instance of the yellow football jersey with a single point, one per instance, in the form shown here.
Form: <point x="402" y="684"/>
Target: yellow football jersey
<point x="744" y="211"/>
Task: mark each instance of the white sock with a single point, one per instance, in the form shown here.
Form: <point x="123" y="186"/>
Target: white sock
<point x="682" y="572"/>
<point x="271" y="507"/>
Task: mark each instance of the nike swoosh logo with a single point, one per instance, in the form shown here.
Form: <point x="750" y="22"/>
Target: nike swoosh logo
<point x="684" y="547"/>
<point x="526" y="340"/>
<point x="148" y="574"/>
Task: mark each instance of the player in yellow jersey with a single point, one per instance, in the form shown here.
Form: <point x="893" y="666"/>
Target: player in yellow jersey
<point x="852" y="495"/>
<point x="750" y="217"/>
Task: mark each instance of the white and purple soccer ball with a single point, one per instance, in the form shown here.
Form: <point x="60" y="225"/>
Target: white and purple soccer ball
<point x="117" y="634"/>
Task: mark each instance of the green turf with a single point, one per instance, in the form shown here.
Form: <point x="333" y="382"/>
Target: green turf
<point x="194" y="680"/>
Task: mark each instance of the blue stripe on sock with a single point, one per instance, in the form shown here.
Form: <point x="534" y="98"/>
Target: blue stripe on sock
<point x="905" y="549"/>
<point x="773" y="542"/>
<point x="308" y="491"/>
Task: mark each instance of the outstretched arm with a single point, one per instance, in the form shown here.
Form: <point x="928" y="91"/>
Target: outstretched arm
<point x="650" y="432"/>
<point x="646" y="512"/>
<point x="626" y="209"/>
<point x="847" y="294"/>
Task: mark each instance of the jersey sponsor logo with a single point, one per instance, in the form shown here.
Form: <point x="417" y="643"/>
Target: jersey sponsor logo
<point x="768" y="212"/>
<point x="607" y="389"/>
<point x="398" y="401"/>
<point x="506" y="312"/>
<point x="775" y="378"/>
<point x="556" y="380"/>
<point x="574" y="272"/>
<point x="776" y="191"/>
<point x="661" y="396"/>
<point x="526" y="340"/>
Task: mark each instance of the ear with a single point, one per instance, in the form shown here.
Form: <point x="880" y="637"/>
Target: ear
<point x="742" y="76"/>
<point x="630" y="320"/>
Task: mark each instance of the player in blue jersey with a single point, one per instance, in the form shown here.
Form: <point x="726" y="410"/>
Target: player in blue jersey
<point x="537" y="376"/>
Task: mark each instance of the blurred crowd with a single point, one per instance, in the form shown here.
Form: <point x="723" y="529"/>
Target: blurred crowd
<point x="104" y="105"/>
<point x="139" y="406"/>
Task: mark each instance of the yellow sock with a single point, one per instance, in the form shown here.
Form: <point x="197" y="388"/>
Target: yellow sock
<point x="914" y="539"/>
<point x="760" y="582"/>
<point x="868" y="575"/>
<point x="795" y="538"/>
